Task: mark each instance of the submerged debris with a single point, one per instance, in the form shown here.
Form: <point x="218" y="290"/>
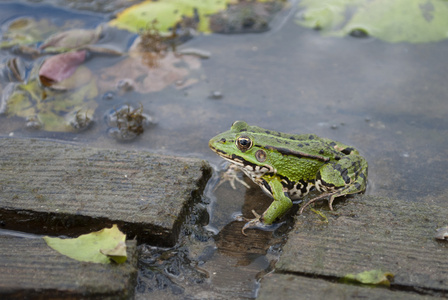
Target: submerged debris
<point x="33" y="122"/>
<point x="80" y="120"/>
<point x="442" y="233"/>
<point x="215" y="95"/>
<point x="13" y="70"/>
<point x="125" y="85"/>
<point x="195" y="52"/>
<point x="126" y="122"/>
<point x="245" y="16"/>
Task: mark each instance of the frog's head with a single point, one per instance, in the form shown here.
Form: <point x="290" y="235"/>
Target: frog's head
<point x="238" y="146"/>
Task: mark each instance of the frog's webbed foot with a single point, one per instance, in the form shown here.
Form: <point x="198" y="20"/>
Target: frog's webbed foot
<point x="231" y="175"/>
<point x="251" y="223"/>
<point x="324" y="195"/>
<point x="257" y="222"/>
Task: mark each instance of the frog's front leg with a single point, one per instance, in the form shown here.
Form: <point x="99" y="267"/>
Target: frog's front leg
<point x="344" y="177"/>
<point x="278" y="207"/>
<point x="231" y="175"/>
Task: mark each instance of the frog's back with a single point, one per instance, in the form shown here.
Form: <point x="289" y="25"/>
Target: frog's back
<point x="309" y="143"/>
<point x="286" y="136"/>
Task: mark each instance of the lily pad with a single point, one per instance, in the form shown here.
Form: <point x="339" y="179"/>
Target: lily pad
<point x="414" y="21"/>
<point x="96" y="247"/>
<point x="372" y="277"/>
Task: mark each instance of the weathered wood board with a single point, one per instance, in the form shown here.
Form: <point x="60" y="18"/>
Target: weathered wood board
<point x="371" y="233"/>
<point x="58" y="188"/>
<point x="29" y="269"/>
<point x="286" y="286"/>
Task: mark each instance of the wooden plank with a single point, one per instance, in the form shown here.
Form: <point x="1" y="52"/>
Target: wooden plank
<point x="55" y="188"/>
<point x="287" y="286"/>
<point x="370" y="233"/>
<point x="31" y="269"/>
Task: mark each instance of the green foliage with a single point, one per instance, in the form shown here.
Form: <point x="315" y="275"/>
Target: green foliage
<point x="414" y="21"/>
<point x="97" y="247"/>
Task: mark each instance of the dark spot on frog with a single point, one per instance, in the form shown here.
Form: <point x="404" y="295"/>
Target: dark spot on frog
<point x="268" y="132"/>
<point x="292" y="138"/>
<point x="344" y="173"/>
<point x="306" y="144"/>
<point x="311" y="137"/>
<point x="267" y="186"/>
<point x="220" y="151"/>
<point x="321" y="151"/>
<point x="299" y="145"/>
<point x="303" y="187"/>
<point x="288" y="184"/>
<point x="347" y="151"/>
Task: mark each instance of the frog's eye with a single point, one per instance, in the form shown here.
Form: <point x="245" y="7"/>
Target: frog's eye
<point x="244" y="143"/>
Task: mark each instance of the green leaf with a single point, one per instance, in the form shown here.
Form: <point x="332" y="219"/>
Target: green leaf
<point x="414" y="21"/>
<point x="372" y="277"/>
<point x="167" y="13"/>
<point x="93" y="247"/>
<point x="325" y="14"/>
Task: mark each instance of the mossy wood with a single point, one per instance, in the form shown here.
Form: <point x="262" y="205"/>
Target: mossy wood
<point x="287" y="286"/>
<point x="32" y="270"/>
<point x="56" y="188"/>
<point x="367" y="233"/>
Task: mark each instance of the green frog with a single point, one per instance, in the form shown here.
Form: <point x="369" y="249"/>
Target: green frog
<point x="288" y="166"/>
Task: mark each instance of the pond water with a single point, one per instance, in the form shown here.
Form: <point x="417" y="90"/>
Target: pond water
<point x="387" y="100"/>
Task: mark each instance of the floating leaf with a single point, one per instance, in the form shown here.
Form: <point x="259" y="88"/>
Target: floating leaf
<point x="59" y="67"/>
<point x="148" y="71"/>
<point x="414" y="21"/>
<point x="168" y="13"/>
<point x="373" y="277"/>
<point x="52" y="107"/>
<point x="325" y="14"/>
<point x="71" y="39"/>
<point x="26" y="31"/>
<point x="95" y="247"/>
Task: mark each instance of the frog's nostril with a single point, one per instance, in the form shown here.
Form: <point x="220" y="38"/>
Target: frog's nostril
<point x="223" y="140"/>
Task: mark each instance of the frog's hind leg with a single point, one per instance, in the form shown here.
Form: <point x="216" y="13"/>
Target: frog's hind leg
<point x="322" y="196"/>
<point x="344" y="177"/>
